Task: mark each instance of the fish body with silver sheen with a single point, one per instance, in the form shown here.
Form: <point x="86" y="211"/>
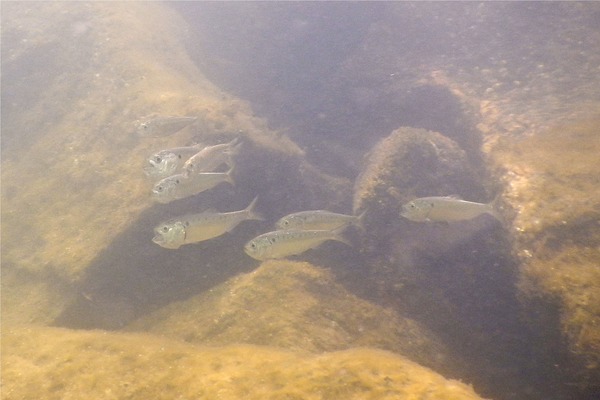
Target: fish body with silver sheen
<point x="318" y="220"/>
<point x="210" y="157"/>
<point x="280" y="244"/>
<point x="167" y="162"/>
<point x="180" y="186"/>
<point x="153" y="126"/>
<point x="199" y="227"/>
<point x="445" y="209"/>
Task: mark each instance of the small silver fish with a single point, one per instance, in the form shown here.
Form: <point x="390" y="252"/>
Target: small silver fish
<point x="167" y="162"/>
<point x="153" y="126"/>
<point x="210" y="157"/>
<point x="196" y="228"/>
<point x="280" y="244"/>
<point x="180" y="186"/>
<point x="445" y="209"/>
<point x="318" y="220"/>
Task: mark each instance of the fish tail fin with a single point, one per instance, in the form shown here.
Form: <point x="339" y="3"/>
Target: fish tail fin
<point x="338" y="234"/>
<point x="232" y="150"/>
<point x="229" y="177"/>
<point x="494" y="208"/>
<point x="360" y="220"/>
<point x="233" y="142"/>
<point x="234" y="147"/>
<point x="253" y="214"/>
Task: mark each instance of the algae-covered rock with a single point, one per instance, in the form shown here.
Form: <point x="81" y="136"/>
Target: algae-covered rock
<point x="295" y="306"/>
<point x="71" y="161"/>
<point x="77" y="78"/>
<point x="409" y="163"/>
<point x="553" y="184"/>
<point x="52" y="363"/>
<point x="413" y="162"/>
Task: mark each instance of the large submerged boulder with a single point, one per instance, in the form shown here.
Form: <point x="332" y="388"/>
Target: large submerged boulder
<point x="294" y="306"/>
<point x="533" y="99"/>
<point x="75" y="202"/>
<point x="52" y="363"/>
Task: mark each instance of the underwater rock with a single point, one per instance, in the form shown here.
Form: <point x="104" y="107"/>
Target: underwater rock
<point x="552" y="183"/>
<point x="72" y="163"/>
<point x="412" y="162"/>
<point x="52" y="363"/>
<point x="294" y="306"/>
<point x="457" y="278"/>
<point x="409" y="163"/>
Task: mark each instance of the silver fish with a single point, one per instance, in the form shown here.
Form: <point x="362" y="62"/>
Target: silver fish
<point x="180" y="186"/>
<point x="210" y="157"/>
<point x="162" y="126"/>
<point x="318" y="220"/>
<point x="167" y="162"/>
<point x="196" y="228"/>
<point x="280" y="244"/>
<point x="445" y="209"/>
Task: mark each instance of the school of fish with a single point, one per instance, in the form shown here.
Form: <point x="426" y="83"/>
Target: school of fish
<point x="187" y="171"/>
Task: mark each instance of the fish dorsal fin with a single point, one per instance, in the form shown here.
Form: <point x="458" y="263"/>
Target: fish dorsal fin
<point x="454" y="196"/>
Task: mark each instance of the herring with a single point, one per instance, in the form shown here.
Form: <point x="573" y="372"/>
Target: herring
<point x="199" y="227"/>
<point x="280" y="244"/>
<point x="446" y="209"/>
<point x="166" y="162"/>
<point x="318" y="220"/>
<point x="152" y="126"/>
<point x="210" y="157"/>
<point x="180" y="186"/>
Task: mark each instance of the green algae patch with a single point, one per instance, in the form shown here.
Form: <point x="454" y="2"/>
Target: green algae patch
<point x="53" y="363"/>
<point x="553" y="185"/>
<point x="295" y="306"/>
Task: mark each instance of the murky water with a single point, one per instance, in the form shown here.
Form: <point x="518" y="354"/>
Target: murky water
<point x="346" y="107"/>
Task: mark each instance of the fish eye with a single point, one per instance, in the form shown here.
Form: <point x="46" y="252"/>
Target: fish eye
<point x="177" y="181"/>
<point x="285" y="222"/>
<point x="165" y="229"/>
<point x="158" y="159"/>
<point x="160" y="188"/>
<point x="253" y="245"/>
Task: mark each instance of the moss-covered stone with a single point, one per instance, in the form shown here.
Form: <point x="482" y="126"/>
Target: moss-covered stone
<point x="412" y="162"/>
<point x="294" y="306"/>
<point x="553" y="184"/>
<point x="79" y="77"/>
<point x="55" y="363"/>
